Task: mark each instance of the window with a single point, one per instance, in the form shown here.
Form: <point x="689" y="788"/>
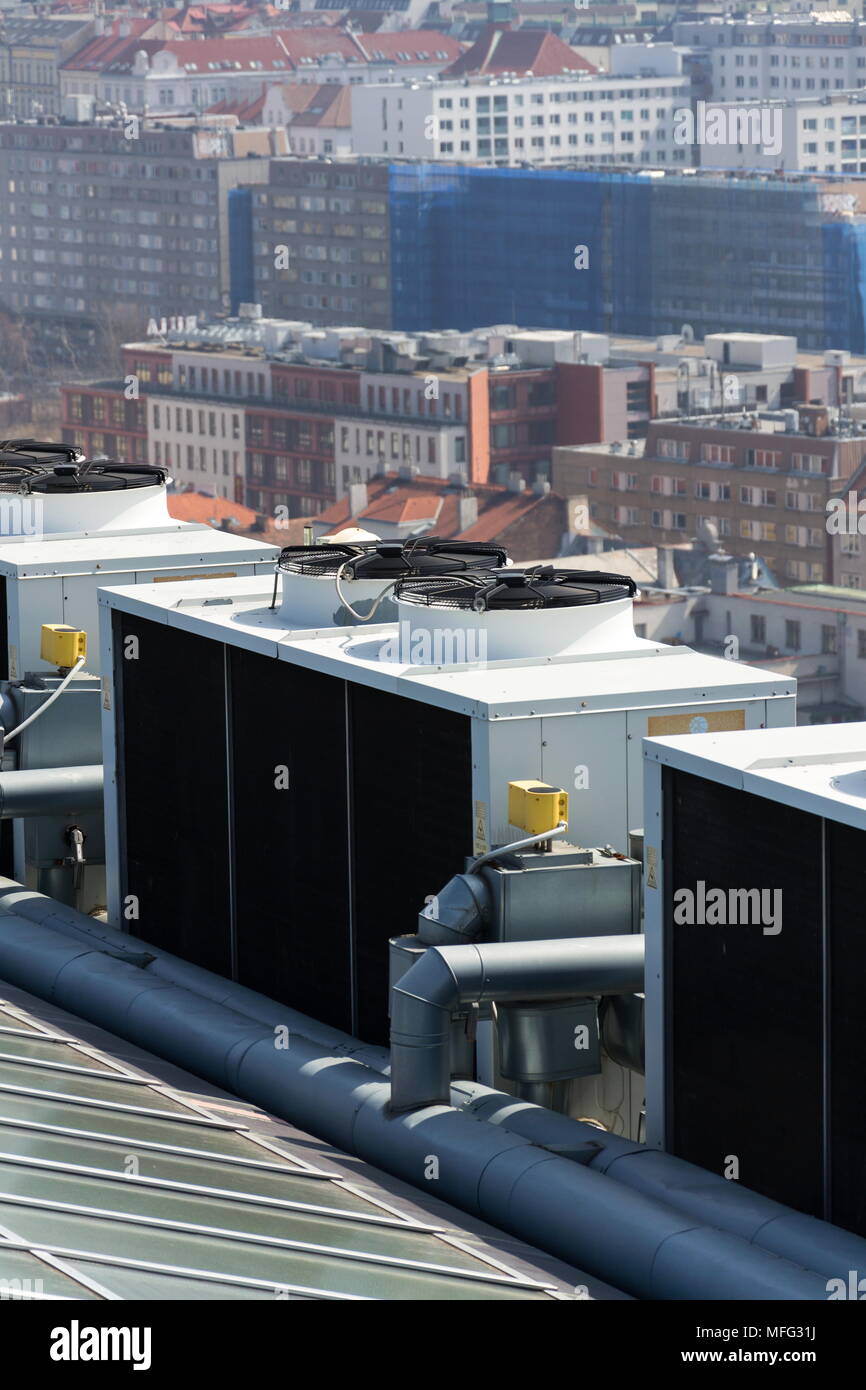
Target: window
<point x="792" y="635"/>
<point x="758" y="630"/>
<point x="828" y="639"/>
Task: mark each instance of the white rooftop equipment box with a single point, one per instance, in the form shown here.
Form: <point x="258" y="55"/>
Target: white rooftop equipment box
<point x="67" y="526"/>
<point x="325" y="782"/>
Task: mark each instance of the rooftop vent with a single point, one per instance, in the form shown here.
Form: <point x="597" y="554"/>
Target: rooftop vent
<point x="502" y="608"/>
<point x="365" y="571"/>
<point x="77" y="495"/>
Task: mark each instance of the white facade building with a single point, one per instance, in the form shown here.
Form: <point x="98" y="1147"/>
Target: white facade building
<point x="592" y="118"/>
<point x="413" y="421"/>
<point x="822" y="135"/>
<point x="201" y="442"/>
<point x="757" y="60"/>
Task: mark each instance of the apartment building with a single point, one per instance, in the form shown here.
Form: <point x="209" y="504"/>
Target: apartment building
<point x="819" y="135"/>
<point x="765" y="57"/>
<point x="171" y="77"/>
<point x="623" y="117"/>
<point x="757" y="253"/>
<point x="102" y="421"/>
<point x="95" y="221"/>
<point x="278" y="413"/>
<point x="315" y="237"/>
<point x="32" y="51"/>
<point x="760" y="483"/>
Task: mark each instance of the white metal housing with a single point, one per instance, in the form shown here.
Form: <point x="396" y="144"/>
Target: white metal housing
<point x="575" y="720"/>
<point x="55" y="579"/>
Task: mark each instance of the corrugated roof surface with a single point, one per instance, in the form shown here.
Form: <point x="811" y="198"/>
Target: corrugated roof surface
<point x="116" y="1185"/>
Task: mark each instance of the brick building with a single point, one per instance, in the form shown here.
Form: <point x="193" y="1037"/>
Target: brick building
<point x="762" y="481"/>
<point x="280" y="414"/>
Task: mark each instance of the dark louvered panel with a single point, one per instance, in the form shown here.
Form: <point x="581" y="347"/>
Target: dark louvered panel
<point x="744" y="1008"/>
<point x="412" y="827"/>
<point x="846" y="894"/>
<point x="4" y="631"/>
<point x="291" y="881"/>
<point x="174" y="789"/>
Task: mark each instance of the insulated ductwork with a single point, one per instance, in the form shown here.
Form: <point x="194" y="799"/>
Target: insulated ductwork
<point x="513" y="614"/>
<point x="50" y="791"/>
<point x="449" y="978"/>
<point x="345" y="582"/>
<point x="638" y="1242"/>
<point x="51" y="490"/>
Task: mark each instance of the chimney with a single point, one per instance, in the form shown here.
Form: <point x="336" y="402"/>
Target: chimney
<point x="665" y="569"/>
<point x="724" y="574"/>
<point x="357" y="499"/>
<point x="467" y="512"/>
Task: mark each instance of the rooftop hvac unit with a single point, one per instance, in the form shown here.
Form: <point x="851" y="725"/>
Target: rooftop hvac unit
<point x="67" y="526"/>
<point x="345" y="582"/>
<point x="756" y="960"/>
<point x="323" y="784"/>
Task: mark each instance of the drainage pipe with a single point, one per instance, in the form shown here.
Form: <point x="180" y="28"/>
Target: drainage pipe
<point x="633" y="1241"/>
<point x="50" y="791"/>
<point x="448" y="978"/>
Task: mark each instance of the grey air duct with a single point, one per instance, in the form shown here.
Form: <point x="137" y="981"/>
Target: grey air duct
<point x="447" y="978"/>
<point x="635" y="1241"/>
<point x="50" y="791"/>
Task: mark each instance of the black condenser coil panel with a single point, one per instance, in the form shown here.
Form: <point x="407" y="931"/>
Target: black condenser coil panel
<point x="846" y="939"/>
<point x="290" y="834"/>
<point x="174" y="790"/>
<point x="744" y="1007"/>
<point x="411" y="776"/>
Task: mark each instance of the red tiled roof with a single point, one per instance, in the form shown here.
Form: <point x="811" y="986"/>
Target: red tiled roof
<point x="404" y="501"/>
<point x="518" y="50"/>
<point x="419" y="45"/>
<point x="245" y="110"/>
<point x="195" y="506"/>
<point x="330" y="105"/>
<point x="105" y="48"/>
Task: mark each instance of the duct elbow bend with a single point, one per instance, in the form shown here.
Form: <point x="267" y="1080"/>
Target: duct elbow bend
<point x="422" y="1004"/>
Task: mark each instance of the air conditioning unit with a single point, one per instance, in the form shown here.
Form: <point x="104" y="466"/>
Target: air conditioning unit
<point x="344" y="582"/>
<point x="67" y="526"/>
<point x="756" y="960"/>
<point x="323" y="783"/>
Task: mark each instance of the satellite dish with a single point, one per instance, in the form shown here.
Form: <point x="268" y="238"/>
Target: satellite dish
<point x="687" y="333"/>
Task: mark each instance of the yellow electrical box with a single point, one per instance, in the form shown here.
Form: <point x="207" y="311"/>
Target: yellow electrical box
<point x="536" y="807"/>
<point x="62" y="645"/>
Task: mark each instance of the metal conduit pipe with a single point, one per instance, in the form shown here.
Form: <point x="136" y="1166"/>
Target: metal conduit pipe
<point x="690" y="1190"/>
<point x="50" y="791"/>
<point x="447" y="978"/>
<point x="36" y="907"/>
<point x="634" y="1242"/>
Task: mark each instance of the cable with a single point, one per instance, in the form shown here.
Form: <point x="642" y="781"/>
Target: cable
<point x="518" y="844"/>
<point x="50" y="701"/>
<point x="361" y="617"/>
